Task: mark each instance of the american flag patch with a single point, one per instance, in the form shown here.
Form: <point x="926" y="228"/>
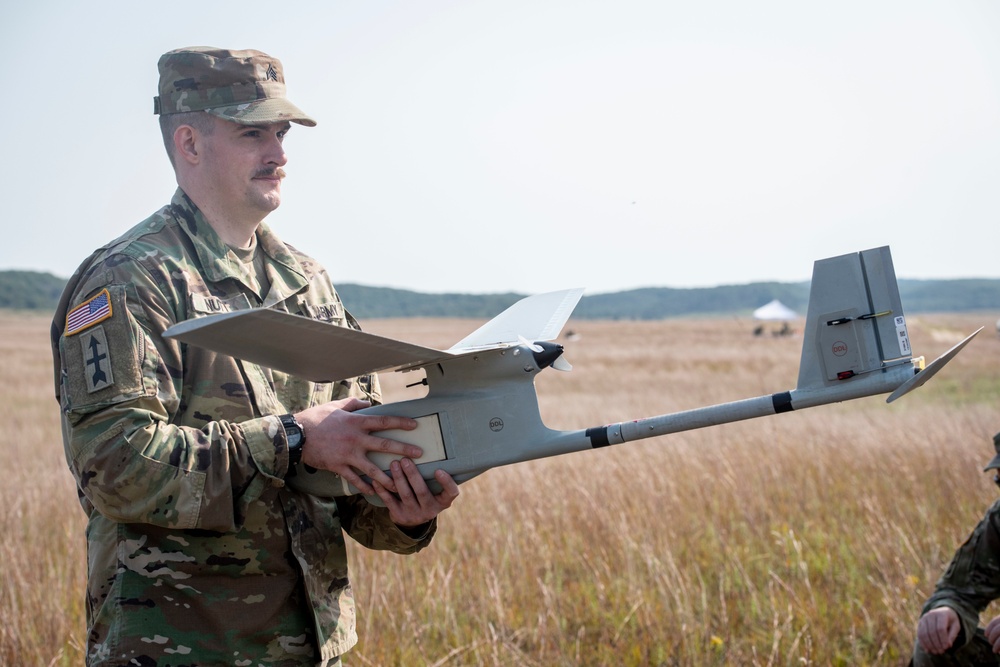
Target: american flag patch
<point x="95" y="309"/>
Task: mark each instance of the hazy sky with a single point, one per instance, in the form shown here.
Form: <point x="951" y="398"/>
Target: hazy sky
<point x="535" y="145"/>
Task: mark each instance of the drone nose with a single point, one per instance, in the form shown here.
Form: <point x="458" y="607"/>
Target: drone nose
<point x="550" y="354"/>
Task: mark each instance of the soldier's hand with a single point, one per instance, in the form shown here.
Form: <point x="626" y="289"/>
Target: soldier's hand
<point x="413" y="503"/>
<point x="993" y="633"/>
<point x="938" y="629"/>
<point x="339" y="440"/>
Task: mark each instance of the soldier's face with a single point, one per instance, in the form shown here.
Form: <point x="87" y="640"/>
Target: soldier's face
<point x="244" y="165"/>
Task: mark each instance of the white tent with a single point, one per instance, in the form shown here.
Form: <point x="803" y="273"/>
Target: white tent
<point x="775" y="311"/>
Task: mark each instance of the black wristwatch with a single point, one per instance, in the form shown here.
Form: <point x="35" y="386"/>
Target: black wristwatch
<point x="295" y="437"/>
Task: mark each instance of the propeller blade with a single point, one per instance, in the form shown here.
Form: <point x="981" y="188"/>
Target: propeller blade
<point x="561" y="364"/>
<point x="534" y="347"/>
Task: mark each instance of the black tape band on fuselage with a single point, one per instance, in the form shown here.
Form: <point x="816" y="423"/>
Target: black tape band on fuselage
<point x="782" y="402"/>
<point x="598" y="436"/>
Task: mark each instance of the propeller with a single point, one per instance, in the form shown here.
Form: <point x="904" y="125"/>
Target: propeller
<point x="550" y="355"/>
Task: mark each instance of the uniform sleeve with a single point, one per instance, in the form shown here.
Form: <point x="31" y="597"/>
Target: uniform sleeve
<point x="120" y="390"/>
<point x="371" y="527"/>
<point x="972" y="580"/>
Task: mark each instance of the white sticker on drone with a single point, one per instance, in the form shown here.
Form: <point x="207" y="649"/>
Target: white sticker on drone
<point x="904" y="338"/>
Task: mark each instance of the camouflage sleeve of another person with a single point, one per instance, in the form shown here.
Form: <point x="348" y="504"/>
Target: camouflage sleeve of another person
<point x="371" y="527"/>
<point x="120" y="393"/>
<point x="972" y="580"/>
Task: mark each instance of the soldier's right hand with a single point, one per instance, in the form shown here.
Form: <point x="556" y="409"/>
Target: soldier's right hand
<point x="938" y="630"/>
<point x="339" y="440"/>
<point x="993" y="633"/>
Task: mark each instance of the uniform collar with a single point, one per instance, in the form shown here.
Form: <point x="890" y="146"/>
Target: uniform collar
<point x="219" y="263"/>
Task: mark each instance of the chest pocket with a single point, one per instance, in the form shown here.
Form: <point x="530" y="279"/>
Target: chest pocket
<point x="365" y="387"/>
<point x="256" y="381"/>
<point x="296" y="394"/>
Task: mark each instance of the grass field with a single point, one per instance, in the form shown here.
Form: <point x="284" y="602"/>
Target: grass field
<point x="810" y="538"/>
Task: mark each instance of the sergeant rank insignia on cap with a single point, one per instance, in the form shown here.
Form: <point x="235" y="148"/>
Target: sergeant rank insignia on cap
<point x="95" y="309"/>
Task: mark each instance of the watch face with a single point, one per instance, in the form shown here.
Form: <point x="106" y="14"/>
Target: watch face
<point x="293" y="432"/>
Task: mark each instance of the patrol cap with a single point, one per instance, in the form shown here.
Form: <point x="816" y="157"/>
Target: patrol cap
<point x="995" y="463"/>
<point x="243" y="86"/>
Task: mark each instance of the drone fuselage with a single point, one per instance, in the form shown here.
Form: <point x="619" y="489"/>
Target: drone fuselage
<point x="480" y="412"/>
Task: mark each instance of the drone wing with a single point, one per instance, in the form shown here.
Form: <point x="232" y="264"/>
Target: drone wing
<point x="322" y="352"/>
<point x="304" y="347"/>
<point x="534" y="318"/>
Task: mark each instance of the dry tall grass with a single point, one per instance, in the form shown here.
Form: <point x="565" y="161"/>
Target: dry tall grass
<point x="809" y="538"/>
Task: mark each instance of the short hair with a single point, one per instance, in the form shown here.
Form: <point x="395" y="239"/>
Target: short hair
<point x="199" y="120"/>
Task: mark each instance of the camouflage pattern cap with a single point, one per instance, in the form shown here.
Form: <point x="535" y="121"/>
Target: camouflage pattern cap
<point x="243" y="86"/>
<point x="995" y="463"/>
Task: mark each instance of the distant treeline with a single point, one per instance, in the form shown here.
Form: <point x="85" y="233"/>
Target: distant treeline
<point x="30" y="290"/>
<point x="656" y="303"/>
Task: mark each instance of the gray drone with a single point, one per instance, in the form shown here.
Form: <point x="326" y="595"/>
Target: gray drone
<point x="481" y="409"/>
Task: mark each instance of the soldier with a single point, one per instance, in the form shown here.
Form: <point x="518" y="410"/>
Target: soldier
<point x="948" y="633"/>
<point x="198" y="551"/>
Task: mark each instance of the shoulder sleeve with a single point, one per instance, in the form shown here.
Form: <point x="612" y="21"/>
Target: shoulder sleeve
<point x="972" y="579"/>
<point x="120" y="388"/>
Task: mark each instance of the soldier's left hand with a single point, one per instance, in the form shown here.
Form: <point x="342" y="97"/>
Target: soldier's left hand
<point x="413" y="503"/>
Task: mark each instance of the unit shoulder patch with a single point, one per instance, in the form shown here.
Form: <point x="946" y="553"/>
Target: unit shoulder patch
<point x="96" y="360"/>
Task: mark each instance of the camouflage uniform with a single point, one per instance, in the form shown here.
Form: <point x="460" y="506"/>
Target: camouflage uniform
<point x="968" y="586"/>
<point x="198" y="553"/>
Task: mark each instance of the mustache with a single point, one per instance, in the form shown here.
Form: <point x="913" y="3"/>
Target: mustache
<point x="268" y="172"/>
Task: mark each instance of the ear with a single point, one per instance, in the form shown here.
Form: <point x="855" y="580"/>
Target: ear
<point x="187" y="144"/>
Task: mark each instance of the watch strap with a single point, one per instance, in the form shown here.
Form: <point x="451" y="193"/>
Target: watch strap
<point x="295" y="438"/>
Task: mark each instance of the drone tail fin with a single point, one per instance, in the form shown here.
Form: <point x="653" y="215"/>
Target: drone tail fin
<point x="855" y="323"/>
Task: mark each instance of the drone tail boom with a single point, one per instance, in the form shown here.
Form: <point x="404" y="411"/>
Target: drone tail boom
<point x="855" y="345"/>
